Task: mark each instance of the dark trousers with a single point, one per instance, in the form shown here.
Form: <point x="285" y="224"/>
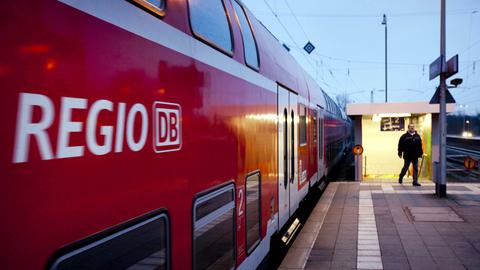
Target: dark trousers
<point x="406" y="164"/>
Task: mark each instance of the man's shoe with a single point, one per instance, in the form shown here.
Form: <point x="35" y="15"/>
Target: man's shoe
<point x="416" y="184"/>
<point x="400" y="181"/>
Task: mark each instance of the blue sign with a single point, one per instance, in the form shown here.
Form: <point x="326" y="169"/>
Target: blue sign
<point x="452" y="66"/>
<point x="309" y="47"/>
<point x="436" y="67"/>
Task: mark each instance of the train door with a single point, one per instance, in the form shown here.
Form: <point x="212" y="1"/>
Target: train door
<point x="287" y="154"/>
<point x="321" y="140"/>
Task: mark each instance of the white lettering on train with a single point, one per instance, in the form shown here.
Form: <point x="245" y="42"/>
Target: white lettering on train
<point x="167" y="129"/>
<point x="137" y="108"/>
<point x="166" y="132"/>
<point x="120" y="127"/>
<point x="26" y="129"/>
<point x="67" y="126"/>
<point x="106" y="131"/>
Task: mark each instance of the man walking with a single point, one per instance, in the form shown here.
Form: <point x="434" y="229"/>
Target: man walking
<point x="410" y="146"/>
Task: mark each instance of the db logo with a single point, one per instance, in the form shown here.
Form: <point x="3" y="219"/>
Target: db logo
<point x="167" y="132"/>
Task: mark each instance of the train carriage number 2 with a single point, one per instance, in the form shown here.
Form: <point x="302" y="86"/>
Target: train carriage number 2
<point x="240" y="202"/>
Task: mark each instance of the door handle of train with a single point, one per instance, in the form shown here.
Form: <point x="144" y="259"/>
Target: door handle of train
<point x="292" y="171"/>
<point x="285" y="147"/>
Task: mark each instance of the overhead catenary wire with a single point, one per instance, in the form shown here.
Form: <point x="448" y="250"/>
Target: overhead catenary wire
<point x="296" y="19"/>
<point x="322" y="80"/>
<point x="295" y="16"/>
<point x="308" y="38"/>
<point x="374" y="15"/>
<point x="469" y="42"/>
<point x="297" y="46"/>
<point x="286" y="31"/>
<point x="354" y="83"/>
<point x="475" y="43"/>
<point x="335" y="79"/>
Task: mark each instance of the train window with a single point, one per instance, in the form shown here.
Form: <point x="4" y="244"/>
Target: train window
<point x="209" y="23"/>
<point x="253" y="214"/>
<point x="249" y="45"/>
<point x="157" y="7"/>
<point x="141" y="245"/>
<point x="303" y="125"/>
<point x="214" y="227"/>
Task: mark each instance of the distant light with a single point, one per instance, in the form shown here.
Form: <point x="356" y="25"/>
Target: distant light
<point x="468" y="121"/>
<point x="51" y="64"/>
<point x="467" y="134"/>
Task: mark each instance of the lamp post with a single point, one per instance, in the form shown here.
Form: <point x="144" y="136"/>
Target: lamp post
<point x="384" y="22"/>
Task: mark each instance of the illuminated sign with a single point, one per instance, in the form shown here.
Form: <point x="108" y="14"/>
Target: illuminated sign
<point x="392" y="124"/>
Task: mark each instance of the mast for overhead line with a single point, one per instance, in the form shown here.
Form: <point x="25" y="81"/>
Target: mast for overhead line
<point x="441" y="184"/>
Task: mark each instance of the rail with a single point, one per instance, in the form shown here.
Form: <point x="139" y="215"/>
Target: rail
<point x="456" y="156"/>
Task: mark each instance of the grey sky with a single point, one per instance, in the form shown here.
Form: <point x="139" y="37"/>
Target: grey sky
<point x="350" y="40"/>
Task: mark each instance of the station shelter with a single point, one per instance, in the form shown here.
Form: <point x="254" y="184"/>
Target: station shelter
<point x="378" y="127"/>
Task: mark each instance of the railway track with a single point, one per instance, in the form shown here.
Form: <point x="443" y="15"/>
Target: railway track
<point x="457" y="149"/>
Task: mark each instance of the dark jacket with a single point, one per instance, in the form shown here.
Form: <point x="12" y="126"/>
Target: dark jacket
<point x="410" y="146"/>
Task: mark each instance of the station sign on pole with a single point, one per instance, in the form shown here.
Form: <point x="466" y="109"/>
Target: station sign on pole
<point x="358" y="151"/>
<point x="436" y="67"/>
<point x="449" y="69"/>
<point x="439" y="66"/>
<point x="436" y="97"/>
<point x="452" y="67"/>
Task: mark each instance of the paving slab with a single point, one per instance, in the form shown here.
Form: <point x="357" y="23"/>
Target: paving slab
<point x="392" y="226"/>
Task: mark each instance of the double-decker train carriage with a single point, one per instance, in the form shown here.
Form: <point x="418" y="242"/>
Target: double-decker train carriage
<point x="153" y="134"/>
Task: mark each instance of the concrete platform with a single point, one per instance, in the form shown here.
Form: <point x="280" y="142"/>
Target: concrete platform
<point x="390" y="226"/>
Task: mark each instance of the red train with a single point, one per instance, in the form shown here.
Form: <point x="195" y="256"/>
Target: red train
<point x="153" y="134"/>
